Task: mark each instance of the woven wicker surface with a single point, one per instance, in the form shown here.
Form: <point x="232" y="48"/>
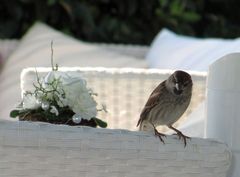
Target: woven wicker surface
<point x="124" y="91"/>
<point x="46" y="150"/>
<point x="41" y="149"/>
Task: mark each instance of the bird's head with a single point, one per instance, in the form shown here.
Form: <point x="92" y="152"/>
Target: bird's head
<point x="179" y="83"/>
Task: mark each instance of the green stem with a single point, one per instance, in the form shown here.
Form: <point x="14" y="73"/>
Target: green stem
<point x="53" y="69"/>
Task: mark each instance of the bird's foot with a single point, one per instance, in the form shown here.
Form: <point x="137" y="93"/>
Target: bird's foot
<point x="182" y="136"/>
<point x="160" y="135"/>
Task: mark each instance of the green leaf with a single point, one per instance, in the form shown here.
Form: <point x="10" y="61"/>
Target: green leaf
<point x="176" y="7"/>
<point x="100" y="123"/>
<point x="191" y="16"/>
<point x="14" y="113"/>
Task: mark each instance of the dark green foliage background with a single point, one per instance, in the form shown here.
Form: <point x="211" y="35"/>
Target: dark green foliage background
<point x="122" y="21"/>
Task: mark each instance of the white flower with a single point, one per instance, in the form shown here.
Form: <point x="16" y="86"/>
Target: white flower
<point x="104" y="107"/>
<point x="51" y="76"/>
<point x="79" y="99"/>
<point x="48" y="82"/>
<point x="30" y="102"/>
<point x="77" y="96"/>
<point x="54" y="110"/>
<point x="45" y="106"/>
<point x="65" y="77"/>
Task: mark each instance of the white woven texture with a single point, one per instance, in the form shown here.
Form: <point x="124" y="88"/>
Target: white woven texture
<point x="124" y="90"/>
<point x="45" y="150"/>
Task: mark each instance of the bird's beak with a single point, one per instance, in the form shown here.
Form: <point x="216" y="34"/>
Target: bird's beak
<point x="178" y="89"/>
<point x="177" y="86"/>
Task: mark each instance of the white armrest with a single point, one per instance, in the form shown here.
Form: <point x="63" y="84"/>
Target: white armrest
<point x="41" y="149"/>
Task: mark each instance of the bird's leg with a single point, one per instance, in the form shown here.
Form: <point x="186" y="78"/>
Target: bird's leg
<point x="180" y="135"/>
<point x="158" y="134"/>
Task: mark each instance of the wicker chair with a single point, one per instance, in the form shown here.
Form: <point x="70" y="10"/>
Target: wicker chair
<point x="42" y="149"/>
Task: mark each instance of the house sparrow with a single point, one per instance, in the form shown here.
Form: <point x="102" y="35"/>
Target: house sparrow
<point x="167" y="103"/>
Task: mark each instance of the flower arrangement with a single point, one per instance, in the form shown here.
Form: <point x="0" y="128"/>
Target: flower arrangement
<point x="60" y="98"/>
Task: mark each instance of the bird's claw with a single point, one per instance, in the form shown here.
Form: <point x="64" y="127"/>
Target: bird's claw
<point x="182" y="136"/>
<point x="160" y="135"/>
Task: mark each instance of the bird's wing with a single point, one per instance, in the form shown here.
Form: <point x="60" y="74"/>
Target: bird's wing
<point x="152" y="101"/>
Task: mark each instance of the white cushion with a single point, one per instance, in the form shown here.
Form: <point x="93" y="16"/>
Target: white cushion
<point x="172" y="51"/>
<point x="34" y="51"/>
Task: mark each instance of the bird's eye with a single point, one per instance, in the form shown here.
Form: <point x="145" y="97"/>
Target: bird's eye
<point x="185" y="84"/>
<point x="175" y="80"/>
